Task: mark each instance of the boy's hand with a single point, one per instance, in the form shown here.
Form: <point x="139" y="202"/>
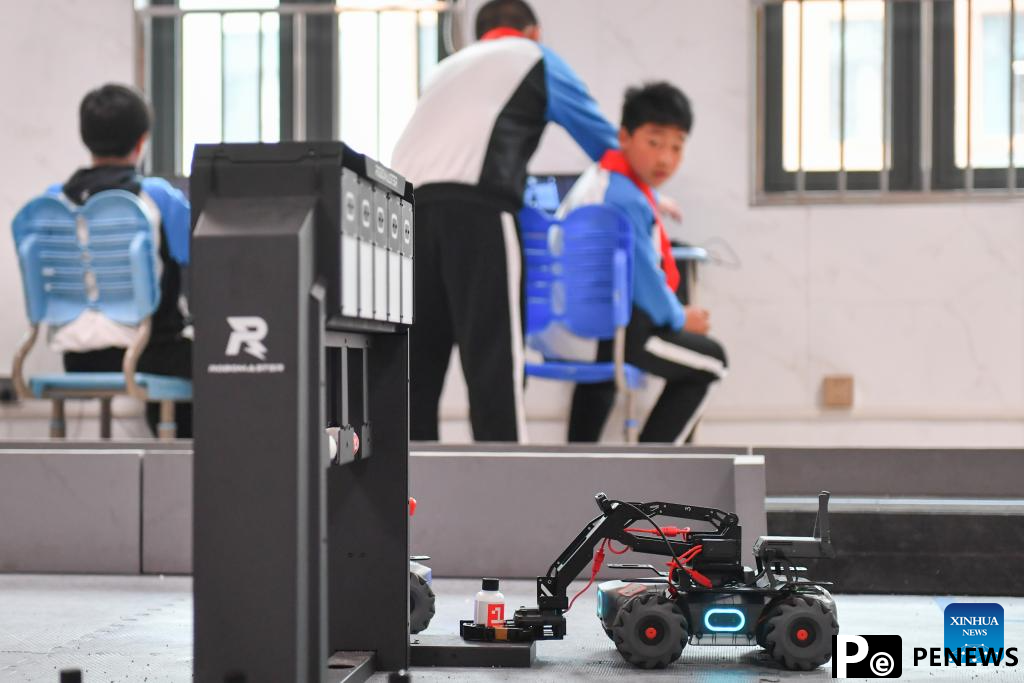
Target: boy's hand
<point x="670" y="207"/>
<point x="697" y="320"/>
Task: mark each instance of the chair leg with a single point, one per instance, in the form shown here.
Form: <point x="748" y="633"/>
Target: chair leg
<point x="57" y="425"/>
<point x="631" y="428"/>
<point x="166" y="430"/>
<point x="106" y="417"/>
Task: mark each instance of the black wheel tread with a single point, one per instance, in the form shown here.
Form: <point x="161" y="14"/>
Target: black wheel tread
<point x="772" y="640"/>
<point x="649" y="602"/>
<point x="419" y="620"/>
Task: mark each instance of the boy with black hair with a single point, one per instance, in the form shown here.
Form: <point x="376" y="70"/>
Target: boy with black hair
<point x="114" y="123"/>
<point x="466" y="149"/>
<point x="662" y="338"/>
<point x="512" y="14"/>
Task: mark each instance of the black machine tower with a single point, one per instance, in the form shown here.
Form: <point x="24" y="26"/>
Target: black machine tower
<point x="302" y="299"/>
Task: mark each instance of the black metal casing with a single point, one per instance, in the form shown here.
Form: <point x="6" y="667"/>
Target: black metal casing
<point x="296" y="169"/>
<point x="287" y="544"/>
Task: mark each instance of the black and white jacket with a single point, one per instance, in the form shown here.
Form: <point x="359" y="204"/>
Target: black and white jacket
<point x="480" y="119"/>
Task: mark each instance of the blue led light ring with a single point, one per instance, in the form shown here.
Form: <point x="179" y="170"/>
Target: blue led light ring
<point x="725" y="610"/>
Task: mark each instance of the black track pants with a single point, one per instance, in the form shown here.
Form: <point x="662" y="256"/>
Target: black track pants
<point x="688" y="362"/>
<point x="468" y="293"/>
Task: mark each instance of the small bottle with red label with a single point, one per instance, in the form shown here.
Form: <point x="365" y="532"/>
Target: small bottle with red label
<point x="489" y="605"/>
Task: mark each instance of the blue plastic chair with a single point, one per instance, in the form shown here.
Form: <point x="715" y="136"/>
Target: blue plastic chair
<point x="579" y="273"/>
<point x="100" y="256"/>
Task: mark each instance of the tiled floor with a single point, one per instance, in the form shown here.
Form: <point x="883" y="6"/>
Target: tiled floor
<point x="140" y="629"/>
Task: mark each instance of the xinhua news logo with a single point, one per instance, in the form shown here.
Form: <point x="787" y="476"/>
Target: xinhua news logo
<point x="867" y="656"/>
<point x="972" y="636"/>
<point x="976" y="628"/>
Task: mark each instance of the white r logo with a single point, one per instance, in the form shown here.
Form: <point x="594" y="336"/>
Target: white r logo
<point x="248" y="330"/>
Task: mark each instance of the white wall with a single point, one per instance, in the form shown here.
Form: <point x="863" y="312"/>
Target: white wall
<point x="52" y="52"/>
<point x="922" y="303"/>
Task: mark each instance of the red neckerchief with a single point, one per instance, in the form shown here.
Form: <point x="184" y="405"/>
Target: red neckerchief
<point x="502" y="32"/>
<point x="614" y="160"/>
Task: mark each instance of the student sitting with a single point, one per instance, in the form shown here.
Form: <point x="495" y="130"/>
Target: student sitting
<point x="114" y="122"/>
<point x="662" y="338"/>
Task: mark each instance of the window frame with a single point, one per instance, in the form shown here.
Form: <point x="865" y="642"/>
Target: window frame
<point x="161" y="41"/>
<point x="904" y="174"/>
<point x="946" y="175"/>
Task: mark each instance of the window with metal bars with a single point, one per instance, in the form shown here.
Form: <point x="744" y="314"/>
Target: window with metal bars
<point x="881" y="98"/>
<point x="269" y="70"/>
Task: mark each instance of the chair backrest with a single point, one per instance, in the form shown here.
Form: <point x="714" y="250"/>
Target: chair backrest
<point x="579" y="270"/>
<point x="101" y="255"/>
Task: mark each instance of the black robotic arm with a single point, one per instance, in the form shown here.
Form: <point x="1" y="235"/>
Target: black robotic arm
<point x="720" y="550"/>
<point x="614" y="524"/>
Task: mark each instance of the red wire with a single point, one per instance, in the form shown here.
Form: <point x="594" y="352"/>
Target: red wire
<point x="691" y="553"/>
<point x="625" y="549"/>
<point x="598" y="559"/>
<point x="686" y="557"/>
<point x="667" y="530"/>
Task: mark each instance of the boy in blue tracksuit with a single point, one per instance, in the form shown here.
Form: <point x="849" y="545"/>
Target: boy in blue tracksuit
<point x="663" y="338"/>
<point x="114" y="122"/>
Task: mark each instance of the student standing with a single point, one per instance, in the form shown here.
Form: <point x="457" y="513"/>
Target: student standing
<point x="466" y="149"/>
